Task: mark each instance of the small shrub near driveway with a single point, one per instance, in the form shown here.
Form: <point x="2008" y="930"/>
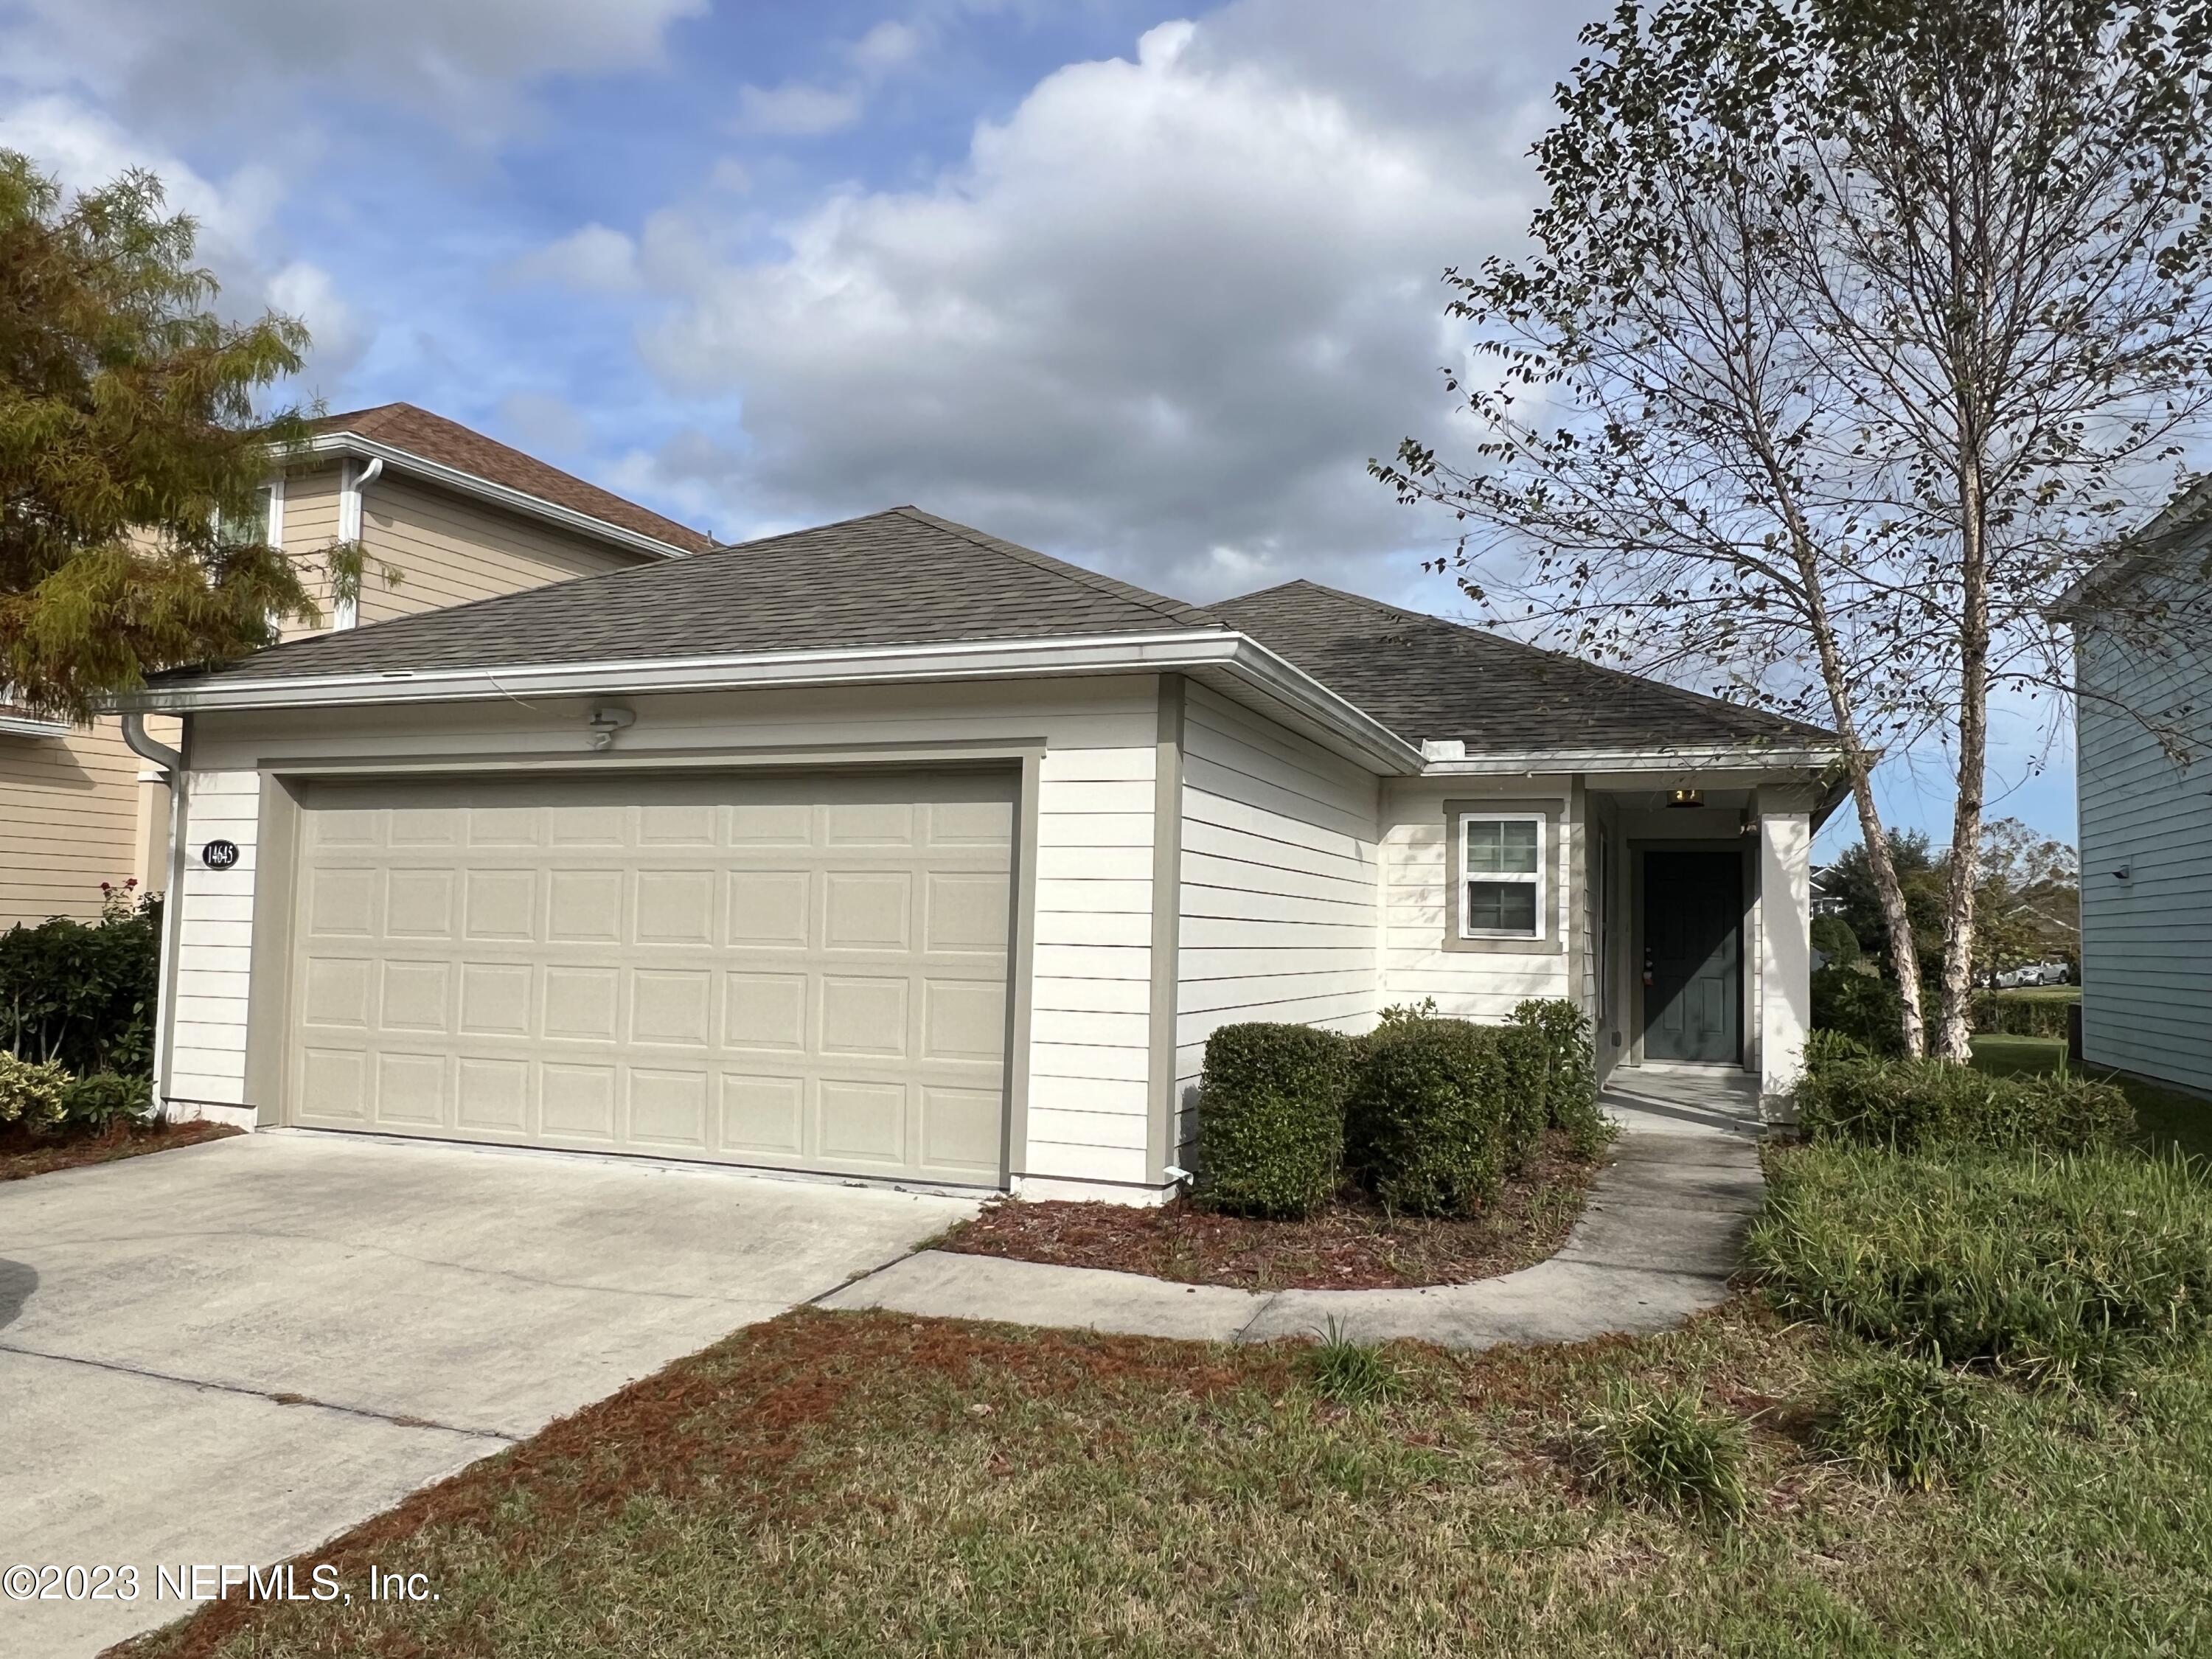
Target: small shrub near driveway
<point x="1903" y="1421"/>
<point x="2072" y="1269"/>
<point x="32" y="1093"/>
<point x="1662" y="1448"/>
<point x="82" y="993"/>
<point x="95" y="1104"/>
<point x="1441" y="1109"/>
<point x="1271" y="1125"/>
<point x="1914" y="1104"/>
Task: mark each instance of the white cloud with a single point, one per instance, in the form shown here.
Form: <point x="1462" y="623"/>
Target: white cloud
<point x="465" y="62"/>
<point x="594" y="258"/>
<point x="307" y="292"/>
<point x="1159" y="317"/>
<point x="886" y="47"/>
<point x="796" y="110"/>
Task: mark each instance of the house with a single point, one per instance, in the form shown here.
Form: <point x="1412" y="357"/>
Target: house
<point x="891" y="849"/>
<point x="457" y="515"/>
<point x="2142" y="644"/>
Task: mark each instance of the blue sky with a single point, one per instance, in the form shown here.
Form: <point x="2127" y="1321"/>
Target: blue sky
<point x="1144" y="285"/>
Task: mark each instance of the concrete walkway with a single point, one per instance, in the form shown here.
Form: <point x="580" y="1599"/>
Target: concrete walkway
<point x="1657" y="1243"/>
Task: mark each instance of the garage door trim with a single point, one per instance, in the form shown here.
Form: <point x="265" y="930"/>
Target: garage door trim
<point x="277" y="864"/>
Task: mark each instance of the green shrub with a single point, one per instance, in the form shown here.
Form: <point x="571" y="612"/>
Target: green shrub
<point x="1999" y="1013"/>
<point x="1911" y="1104"/>
<point x="1441" y="1108"/>
<point x="1834" y="938"/>
<point x="1271" y="1119"/>
<point x="83" y="994"/>
<point x="92" y="1103"/>
<point x="1825" y="1048"/>
<point x="1571" y="1088"/>
<point x="1348" y="1373"/>
<point x="1663" y="1448"/>
<point x="1903" y="1421"/>
<point x="2077" y="1266"/>
<point x="31" y="1092"/>
<point x="1861" y="1005"/>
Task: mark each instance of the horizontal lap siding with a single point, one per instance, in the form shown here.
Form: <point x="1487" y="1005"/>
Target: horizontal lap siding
<point x="2146" y="941"/>
<point x="1277" y="906"/>
<point x="449" y="551"/>
<point x="214" y="942"/>
<point x="1089" y="1027"/>
<point x="310" y="517"/>
<point x="1418" y="909"/>
<point x="69" y="821"/>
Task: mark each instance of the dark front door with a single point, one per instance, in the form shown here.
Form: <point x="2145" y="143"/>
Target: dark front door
<point x="1693" y="956"/>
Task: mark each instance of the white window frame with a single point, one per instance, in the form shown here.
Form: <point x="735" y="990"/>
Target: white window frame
<point x="1539" y="878"/>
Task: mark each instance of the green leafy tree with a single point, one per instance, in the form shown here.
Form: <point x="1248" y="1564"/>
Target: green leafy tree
<point x="1852" y="330"/>
<point x="131" y="455"/>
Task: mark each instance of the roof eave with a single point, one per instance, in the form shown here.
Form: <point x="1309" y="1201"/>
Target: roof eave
<point x="463" y="482"/>
<point x="1242" y="657"/>
<point x="1758" y="753"/>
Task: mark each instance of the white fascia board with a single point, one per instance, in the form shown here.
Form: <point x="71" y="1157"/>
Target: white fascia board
<point x="1688" y="757"/>
<point x="469" y="484"/>
<point x="1121" y="653"/>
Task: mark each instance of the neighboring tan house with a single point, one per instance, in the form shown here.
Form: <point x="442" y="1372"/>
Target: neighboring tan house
<point x="459" y="516"/>
<point x="890" y="849"/>
<point x="2142" y="642"/>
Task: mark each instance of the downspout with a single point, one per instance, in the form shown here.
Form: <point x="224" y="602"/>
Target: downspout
<point x="346" y="614"/>
<point x="171" y="764"/>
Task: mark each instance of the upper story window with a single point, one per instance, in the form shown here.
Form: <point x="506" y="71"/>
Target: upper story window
<point x="1501" y="876"/>
<point x="251" y="528"/>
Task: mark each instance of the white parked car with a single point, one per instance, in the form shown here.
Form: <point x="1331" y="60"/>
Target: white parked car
<point x="2039" y="973"/>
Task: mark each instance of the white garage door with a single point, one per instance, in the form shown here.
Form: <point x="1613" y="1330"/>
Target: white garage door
<point x="808" y="972"/>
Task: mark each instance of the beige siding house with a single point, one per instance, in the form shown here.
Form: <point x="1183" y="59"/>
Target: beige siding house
<point x="459" y="516"/>
<point x="890" y="850"/>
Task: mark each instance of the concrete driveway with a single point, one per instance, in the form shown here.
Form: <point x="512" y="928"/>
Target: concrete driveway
<point x="229" y="1352"/>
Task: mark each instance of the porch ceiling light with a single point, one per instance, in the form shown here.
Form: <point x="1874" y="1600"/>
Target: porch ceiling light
<point x="1685" y="797"/>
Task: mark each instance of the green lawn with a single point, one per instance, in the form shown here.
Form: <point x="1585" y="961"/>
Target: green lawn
<point x="2168" y="1117"/>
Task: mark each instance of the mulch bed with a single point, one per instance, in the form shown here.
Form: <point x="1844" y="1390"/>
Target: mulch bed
<point x="23" y="1154"/>
<point x="1353" y="1244"/>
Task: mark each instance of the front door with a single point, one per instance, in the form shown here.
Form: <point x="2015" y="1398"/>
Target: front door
<point x="1693" y="956"/>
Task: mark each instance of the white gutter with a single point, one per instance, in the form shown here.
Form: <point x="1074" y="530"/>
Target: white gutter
<point x="19" y="724"/>
<point x="469" y="484"/>
<point x="1236" y="653"/>
<point x="1686" y="758"/>
<point x="166" y="760"/>
<point x="346" y="613"/>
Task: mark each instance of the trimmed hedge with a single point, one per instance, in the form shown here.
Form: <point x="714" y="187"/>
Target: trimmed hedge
<point x="1863" y="1007"/>
<point x="1440" y="1110"/>
<point x="1571" y="1091"/>
<point x="1271" y="1121"/>
<point x="1834" y="938"/>
<point x="1995" y="1014"/>
<point x="1913" y="1104"/>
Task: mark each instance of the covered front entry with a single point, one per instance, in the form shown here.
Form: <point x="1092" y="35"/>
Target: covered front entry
<point x="804" y="971"/>
<point x="1694" y="911"/>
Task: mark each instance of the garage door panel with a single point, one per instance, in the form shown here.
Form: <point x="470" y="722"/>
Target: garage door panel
<point x="802" y="971"/>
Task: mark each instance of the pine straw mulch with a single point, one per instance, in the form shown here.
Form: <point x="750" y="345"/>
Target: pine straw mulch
<point x="1353" y="1244"/>
<point x="24" y="1155"/>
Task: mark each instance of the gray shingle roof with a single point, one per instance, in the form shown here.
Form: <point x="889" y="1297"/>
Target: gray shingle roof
<point x="903" y="577"/>
<point x="907" y="577"/>
<point x="1425" y="678"/>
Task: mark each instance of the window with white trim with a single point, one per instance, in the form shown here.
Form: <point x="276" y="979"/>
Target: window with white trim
<point x="1501" y="869"/>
